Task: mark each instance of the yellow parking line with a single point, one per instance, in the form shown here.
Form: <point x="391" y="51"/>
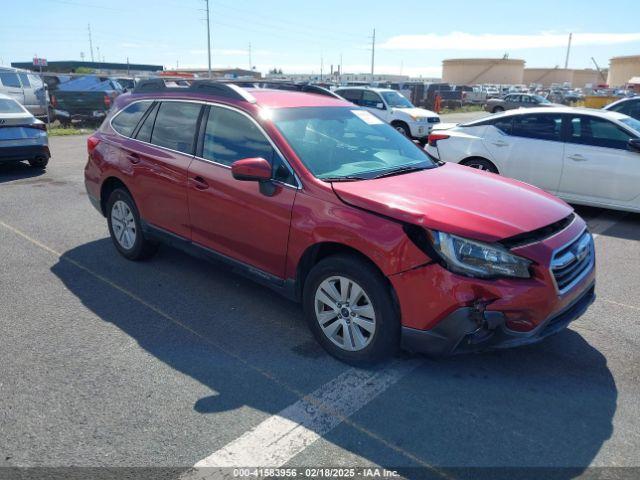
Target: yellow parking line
<point x="307" y="398"/>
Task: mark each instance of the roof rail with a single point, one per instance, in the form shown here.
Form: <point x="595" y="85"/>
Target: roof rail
<point x="220" y="89"/>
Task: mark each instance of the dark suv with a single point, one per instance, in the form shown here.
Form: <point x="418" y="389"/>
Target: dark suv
<point x="328" y="205"/>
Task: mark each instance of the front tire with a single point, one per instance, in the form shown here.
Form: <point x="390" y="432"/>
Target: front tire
<point x="350" y="310"/>
<point x="125" y="227"/>
<point x="403" y="128"/>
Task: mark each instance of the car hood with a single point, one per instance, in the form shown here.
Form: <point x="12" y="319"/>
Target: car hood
<point x="415" y="112"/>
<point x="457" y="199"/>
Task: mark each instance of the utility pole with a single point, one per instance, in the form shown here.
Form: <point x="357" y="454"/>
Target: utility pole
<point x="208" y="38"/>
<point x="321" y="66"/>
<point x="373" y="53"/>
<point x="250" y="62"/>
<point x="128" y="68"/>
<point x="566" y="60"/>
<point x="90" y="41"/>
<point x="98" y="48"/>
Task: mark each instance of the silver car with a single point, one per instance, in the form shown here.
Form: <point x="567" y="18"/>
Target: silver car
<point x="517" y="100"/>
<point x="22" y="136"/>
<point x="25" y="87"/>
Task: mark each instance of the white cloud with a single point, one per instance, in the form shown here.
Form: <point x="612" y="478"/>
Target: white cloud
<point x="469" y="41"/>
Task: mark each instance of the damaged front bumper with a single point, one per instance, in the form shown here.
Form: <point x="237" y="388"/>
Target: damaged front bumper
<point x="470" y="329"/>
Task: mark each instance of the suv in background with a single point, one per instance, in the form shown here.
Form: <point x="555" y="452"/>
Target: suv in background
<point x="26" y="88"/>
<point x="328" y="205"/>
<point x="393" y="108"/>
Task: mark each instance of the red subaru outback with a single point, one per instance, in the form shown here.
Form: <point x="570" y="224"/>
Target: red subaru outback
<point x="321" y="201"/>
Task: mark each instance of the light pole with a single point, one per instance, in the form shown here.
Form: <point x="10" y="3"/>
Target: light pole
<point x="208" y="38"/>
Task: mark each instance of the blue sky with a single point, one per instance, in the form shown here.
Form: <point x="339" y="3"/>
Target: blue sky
<point x="413" y="37"/>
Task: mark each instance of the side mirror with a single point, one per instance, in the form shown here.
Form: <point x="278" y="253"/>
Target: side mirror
<point x="634" y="145"/>
<point x="380" y="106"/>
<point x="251" y="170"/>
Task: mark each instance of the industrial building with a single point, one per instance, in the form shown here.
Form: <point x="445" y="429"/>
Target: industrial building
<point x="470" y="71"/>
<point x="576" y="78"/>
<point x="622" y="69"/>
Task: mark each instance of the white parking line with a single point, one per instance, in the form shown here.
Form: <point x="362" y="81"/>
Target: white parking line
<point x="604" y="221"/>
<point x="280" y="437"/>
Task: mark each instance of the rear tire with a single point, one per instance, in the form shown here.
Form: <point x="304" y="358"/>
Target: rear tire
<point x="497" y="109"/>
<point x="480" y="164"/>
<point x="362" y="325"/>
<point x="39" y="162"/>
<point x="125" y="227"/>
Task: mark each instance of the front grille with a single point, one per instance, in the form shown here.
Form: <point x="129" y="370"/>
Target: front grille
<point x="573" y="262"/>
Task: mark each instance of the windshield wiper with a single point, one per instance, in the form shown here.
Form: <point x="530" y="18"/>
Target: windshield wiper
<point x="400" y="170"/>
<point x="346" y="178"/>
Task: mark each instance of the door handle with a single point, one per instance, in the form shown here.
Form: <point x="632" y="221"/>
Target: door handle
<point x="500" y="143"/>
<point x="577" y="158"/>
<point x="133" y="158"/>
<point x="200" y="183"/>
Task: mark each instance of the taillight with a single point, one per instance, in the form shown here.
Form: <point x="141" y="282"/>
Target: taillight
<point x="92" y="143"/>
<point x="434" y="137"/>
<point x="107" y="101"/>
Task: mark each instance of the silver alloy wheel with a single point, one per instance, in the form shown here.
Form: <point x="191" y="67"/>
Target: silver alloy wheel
<point x="345" y="313"/>
<point x="123" y="224"/>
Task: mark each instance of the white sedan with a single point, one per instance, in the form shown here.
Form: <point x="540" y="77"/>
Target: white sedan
<point x="22" y="136"/>
<point x="587" y="157"/>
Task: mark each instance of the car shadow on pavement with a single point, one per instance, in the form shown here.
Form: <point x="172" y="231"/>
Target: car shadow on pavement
<point x="18" y="171"/>
<point x="545" y="405"/>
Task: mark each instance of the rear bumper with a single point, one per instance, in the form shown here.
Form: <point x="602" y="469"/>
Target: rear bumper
<point x="470" y="330"/>
<point x="27" y="152"/>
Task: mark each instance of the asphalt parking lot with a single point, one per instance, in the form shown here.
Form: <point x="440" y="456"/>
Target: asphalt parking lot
<point x="175" y="362"/>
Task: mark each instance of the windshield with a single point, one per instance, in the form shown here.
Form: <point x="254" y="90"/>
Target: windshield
<point x="540" y="99"/>
<point x="10" y="106"/>
<point x="631" y="122"/>
<point x="396" y="100"/>
<point x="336" y="142"/>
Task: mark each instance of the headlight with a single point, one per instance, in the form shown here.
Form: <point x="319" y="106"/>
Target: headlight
<point x="419" y="119"/>
<point x="478" y="259"/>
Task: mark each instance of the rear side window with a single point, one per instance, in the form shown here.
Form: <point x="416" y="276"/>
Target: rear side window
<point x="9" y="79"/>
<point x="598" y="132"/>
<point x="353" y="96"/>
<point x="24" y="79"/>
<point x="230" y="136"/>
<point x="541" y="126"/>
<point x="10" y="106"/>
<point x="126" y="121"/>
<point x="175" y="126"/>
<point x="503" y="124"/>
<point x="145" y="130"/>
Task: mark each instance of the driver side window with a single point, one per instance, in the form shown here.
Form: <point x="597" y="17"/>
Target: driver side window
<point x="231" y="136"/>
<point x="370" y="99"/>
<point x="598" y="132"/>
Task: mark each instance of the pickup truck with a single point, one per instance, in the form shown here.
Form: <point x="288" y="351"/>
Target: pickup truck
<point x="84" y="99"/>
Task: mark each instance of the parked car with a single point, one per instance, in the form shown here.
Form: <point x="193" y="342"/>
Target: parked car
<point x="22" y="136"/>
<point x="393" y="108"/>
<point x="626" y="106"/>
<point x="26" y="88"/>
<point x="588" y="157"/>
<point x="517" y="100"/>
<point x="325" y="203"/>
<point x="85" y="99"/>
